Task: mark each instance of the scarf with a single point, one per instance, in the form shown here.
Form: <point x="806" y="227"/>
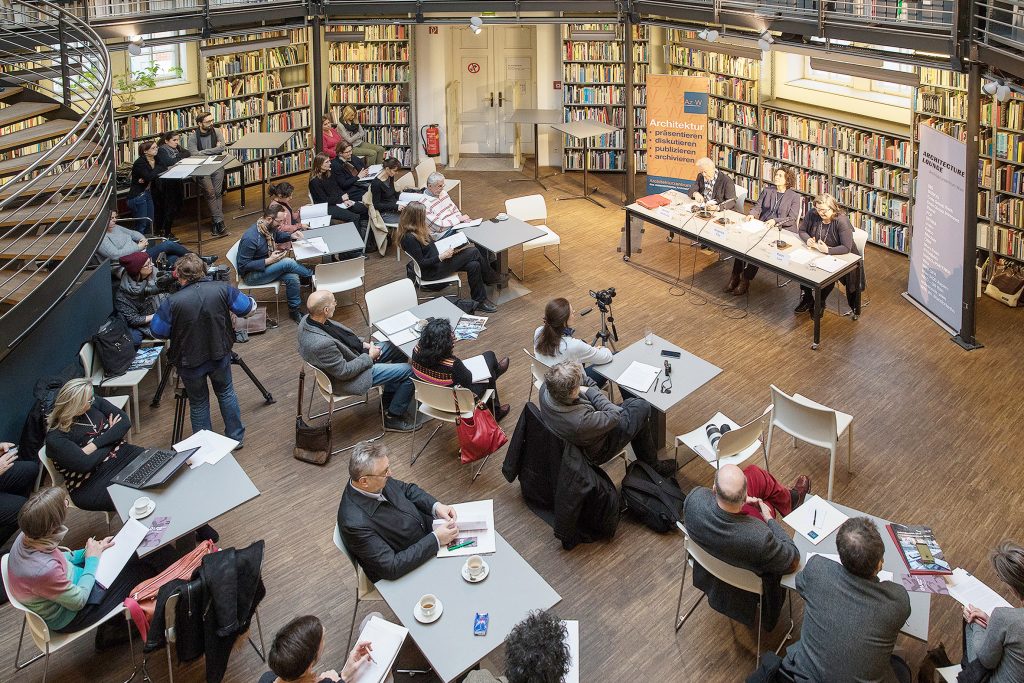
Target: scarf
<point x="268" y="235"/>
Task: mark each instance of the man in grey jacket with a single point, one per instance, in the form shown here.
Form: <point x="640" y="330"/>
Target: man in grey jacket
<point x="574" y="408"/>
<point x="206" y="140"/>
<point x="354" y="365"/>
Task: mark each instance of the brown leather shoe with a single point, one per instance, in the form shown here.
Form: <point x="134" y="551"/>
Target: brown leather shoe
<point x="743" y="287"/>
<point x="800" y="490"/>
<point x="502" y="367"/>
<point x="733" y="283"/>
<point x="501" y="412"/>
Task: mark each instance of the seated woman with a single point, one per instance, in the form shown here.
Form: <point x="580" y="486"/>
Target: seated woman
<point x="385" y="196"/>
<point x="17" y="478"/>
<point x="282" y="194"/>
<point x="829" y="230"/>
<point x="324" y="189"/>
<point x="138" y="296"/>
<point x="779" y="207"/>
<point x="553" y="342"/>
<point x="60" y="586"/>
<point x="414" y="237"/>
<point x="354" y="134"/>
<point x="996" y="640"/>
<point x="144" y="176"/>
<point x="329" y="135"/>
<point x="120" y="241"/>
<point x="297" y="648"/>
<point x="434" y="362"/>
<point x="347" y="170"/>
<point x="86" y="443"/>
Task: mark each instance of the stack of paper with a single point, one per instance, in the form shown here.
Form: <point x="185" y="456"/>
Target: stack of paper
<point x="212" y="447"/>
<point x="638" y="377"/>
<point x="312" y="247"/>
<point x="182" y="169"/>
<point x="469" y="224"/>
<point x="802" y="256"/>
<point x="815" y="519"/>
<point x="478" y="366"/>
<point x="968" y="590"/>
<point x="453" y="242"/>
<point x="572" y="639"/>
<point x="883" y="575"/>
<point x="386" y="640"/>
<point x="114" y="558"/>
<point x="829" y="263"/>
<point x="406" y="197"/>
<point x="395" y="323"/>
<point x="482" y="540"/>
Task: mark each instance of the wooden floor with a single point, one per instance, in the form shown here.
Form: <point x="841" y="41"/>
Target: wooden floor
<point x="936" y="441"/>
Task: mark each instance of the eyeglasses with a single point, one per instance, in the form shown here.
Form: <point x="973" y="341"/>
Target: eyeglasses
<point x="387" y="473"/>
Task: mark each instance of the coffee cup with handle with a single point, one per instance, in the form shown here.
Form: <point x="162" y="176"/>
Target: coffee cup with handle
<point x="474" y="566"/>
<point x="428" y="604"/>
<point x="141" y="505"/>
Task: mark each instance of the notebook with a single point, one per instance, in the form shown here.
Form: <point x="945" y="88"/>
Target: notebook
<point x="386" y="640"/>
<point x="653" y="201"/>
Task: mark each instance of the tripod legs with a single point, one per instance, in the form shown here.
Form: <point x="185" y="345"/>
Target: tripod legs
<point x="237" y="360"/>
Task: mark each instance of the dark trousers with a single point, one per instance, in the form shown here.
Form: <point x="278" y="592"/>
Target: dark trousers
<point x="169" y="197"/>
<point x="15" y="486"/>
<point x="747" y="270"/>
<point x="634" y="428"/>
<point x="852" y="298"/>
<point x="92" y="495"/>
<point x="477" y="269"/>
<point x="173" y="250"/>
<point x="480" y="387"/>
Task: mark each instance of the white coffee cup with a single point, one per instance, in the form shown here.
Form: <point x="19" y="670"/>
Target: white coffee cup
<point x="428" y="603"/>
<point x="475" y="566"/>
<point x="142" y="505"/>
<point x="502" y="216"/>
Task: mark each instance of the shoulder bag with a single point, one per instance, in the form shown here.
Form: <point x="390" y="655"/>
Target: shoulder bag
<point x="480" y="435"/>
<point x="312" y="443"/>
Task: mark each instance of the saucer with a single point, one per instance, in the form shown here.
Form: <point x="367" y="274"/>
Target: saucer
<point x="418" y="613"/>
<point x="501" y="217"/>
<point x="145" y="513"/>
<point x="483" y="575"/>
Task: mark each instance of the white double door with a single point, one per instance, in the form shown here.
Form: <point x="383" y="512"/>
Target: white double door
<point x="496" y="72"/>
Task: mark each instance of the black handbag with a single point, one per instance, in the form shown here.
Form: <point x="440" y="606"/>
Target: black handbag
<point x="312" y="443"/>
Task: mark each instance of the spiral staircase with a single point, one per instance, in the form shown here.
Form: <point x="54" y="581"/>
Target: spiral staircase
<point x="57" y="178"/>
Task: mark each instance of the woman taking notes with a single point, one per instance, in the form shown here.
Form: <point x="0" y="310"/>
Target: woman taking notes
<point x="997" y="640"/>
<point x="828" y="230"/>
<point x="325" y="189"/>
<point x="779" y="207"/>
<point x="553" y="341"/>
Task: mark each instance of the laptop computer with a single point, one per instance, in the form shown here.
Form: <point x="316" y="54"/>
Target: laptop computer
<point x="153" y="467"/>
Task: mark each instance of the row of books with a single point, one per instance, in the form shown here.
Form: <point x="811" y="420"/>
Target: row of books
<point x="601" y="51"/>
<point x="383" y="115"/>
<point x="369" y="52"/>
<point x="724" y="133"/>
<point x="253" y="84"/>
<point x="595" y="94"/>
<point x="230" y="65"/>
<point x="808" y="182"/>
<point x="236" y="109"/>
<point x="751" y="185"/>
<point x="1010" y="179"/>
<point x="288" y="120"/>
<point x="951" y="104"/>
<point x="1012" y="114"/>
<point x="609" y="160"/>
<point x="881" y="204"/>
<point x="21" y="125"/>
<point x="299" y="97"/>
<point x="389" y="137"/>
<point x="1008" y="241"/>
<point x="880" y="231"/>
<point x="395" y="92"/>
<point x="383" y="32"/>
<point x="800" y="153"/>
<point x="602" y="73"/>
<point x="956" y="129"/>
<point x="735" y="88"/>
<point x="741" y="114"/>
<point x="361" y="73"/>
<point x="794" y="126"/>
<point x="612" y="115"/>
<point x="1010" y="210"/>
<point x="1010" y="146"/>
<point x="714" y="62"/>
<point x="735" y="161"/>
<point x="614" y="140"/>
<point x="871" y="173"/>
<point x="875" y="145"/>
<point x="144" y="125"/>
<point x="283" y="57"/>
<point x="944" y="78"/>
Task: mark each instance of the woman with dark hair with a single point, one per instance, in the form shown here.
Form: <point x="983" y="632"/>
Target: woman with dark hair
<point x="779" y="207"/>
<point x="414" y="237"/>
<point x="536" y="651"/>
<point x="996" y="640"/>
<point x="282" y="194"/>
<point x="170" y="194"/>
<point x="140" y="195"/>
<point x="434" y="362"/>
<point x="828" y="230"/>
<point x="324" y="189"/>
<point x="297" y="648"/>
<point x="139" y="295"/>
<point x="17" y="478"/>
<point x="553" y="341"/>
<point x="385" y="196"/>
<point x="330" y="137"/>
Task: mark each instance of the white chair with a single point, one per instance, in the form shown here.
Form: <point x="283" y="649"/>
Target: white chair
<point x="949" y="673"/>
<point x="438" y="402"/>
<point x="322" y="385"/>
<point x="743" y="579"/>
<point x="365" y="590"/>
<point x="532" y="208"/>
<point x="391" y="299"/>
<point x="730" y="447"/>
<point x="537" y="370"/>
<point x="406" y="182"/>
<point x="426" y="167"/>
<point x="448" y="280"/>
<point x="47" y="642"/>
<point x="130" y="380"/>
<point x="342" y="276"/>
<point x="232" y="257"/>
<point x="809" y="421"/>
<point x="860" y="239"/>
<point x="741" y="199"/>
<point x="57" y="479"/>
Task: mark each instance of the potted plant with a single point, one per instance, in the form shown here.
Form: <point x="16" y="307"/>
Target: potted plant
<point x="133" y="81"/>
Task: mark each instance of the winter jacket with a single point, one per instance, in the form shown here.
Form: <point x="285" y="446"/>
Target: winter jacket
<point x="136" y="299"/>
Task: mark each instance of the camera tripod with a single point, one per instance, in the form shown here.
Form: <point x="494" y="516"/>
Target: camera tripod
<point x="607" y="335"/>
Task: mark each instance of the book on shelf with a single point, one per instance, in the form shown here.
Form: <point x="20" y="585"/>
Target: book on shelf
<point x="919" y="549"/>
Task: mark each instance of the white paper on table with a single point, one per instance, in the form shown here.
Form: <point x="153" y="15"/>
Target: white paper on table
<point x="386" y="640"/>
<point x="379" y="336"/>
<point x="453" y="242"/>
<point x="212" y="447"/>
<point x="193" y="160"/>
<point x="478" y="367"/>
<point x="968" y="590"/>
<point x="404" y="336"/>
<point x="883" y="575"/>
<point x="317" y="222"/>
<point x="113" y="559"/>
<point x="397" y="322"/>
<point x="802" y="256"/>
<point x="179" y="170"/>
<point x="698" y="442"/>
<point x="572" y="639"/>
<point x="752" y="225"/>
<point x="465" y="523"/>
<point x="803" y="519"/>
<point x="469" y="224"/>
<point x="485" y="543"/>
<point x="948" y="673"/>
<point x="829" y="263"/>
<point x="313" y="211"/>
<point x="638" y="377"/>
<point x="406" y="197"/>
<point x="311" y="247"/>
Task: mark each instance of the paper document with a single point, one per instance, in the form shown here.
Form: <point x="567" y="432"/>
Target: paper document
<point x="968" y="590"/>
<point x="479" y="541"/>
<point x="406" y="197"/>
<point x="924" y="583"/>
<point x="466" y="523"/>
<point x="313" y="211"/>
<point x="802" y="256"/>
<point x="478" y="366"/>
<point x="699" y="443"/>
<point x="179" y="170"/>
<point x="212" y="447"/>
<point x="883" y="575"/>
<point x="469" y="224"/>
<point x="675" y="196"/>
<point x="397" y="322"/>
<point x="404" y="336"/>
<point x="815" y="519"/>
<point x="311" y="247"/>
<point x="191" y="160"/>
<point x="572" y="639"/>
<point x="113" y="559"/>
<point x="386" y="640"/>
<point x="374" y="170"/>
<point x="753" y="226"/>
<point x="638" y="377"/>
<point x="379" y="336"/>
<point x="453" y="242"/>
<point x="318" y="222"/>
<point x="829" y="263"/>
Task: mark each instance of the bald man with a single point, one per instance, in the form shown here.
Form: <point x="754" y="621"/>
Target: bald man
<point x="354" y="365"/>
<point x="713" y="186"/>
<point x="736" y="523"/>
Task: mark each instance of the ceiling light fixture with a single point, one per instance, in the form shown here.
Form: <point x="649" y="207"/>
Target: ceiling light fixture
<point x="765" y="41"/>
<point x="708" y="34"/>
<point x="990" y="87"/>
<point x="476" y="25"/>
<point x="135" y="45"/>
<point x="1003" y="92"/>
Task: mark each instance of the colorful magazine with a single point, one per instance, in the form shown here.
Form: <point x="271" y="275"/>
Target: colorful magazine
<point x="921" y="552"/>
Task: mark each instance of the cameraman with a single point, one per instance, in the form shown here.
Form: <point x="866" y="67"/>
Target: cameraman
<point x="140" y="293"/>
<point x="197" y="321"/>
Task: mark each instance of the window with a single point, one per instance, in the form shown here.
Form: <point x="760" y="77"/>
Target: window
<point x="169" y="58"/>
<point x="825" y="76"/>
<point x="894" y="88"/>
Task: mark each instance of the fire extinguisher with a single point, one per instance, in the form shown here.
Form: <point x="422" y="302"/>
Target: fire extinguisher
<point x="431" y="137"/>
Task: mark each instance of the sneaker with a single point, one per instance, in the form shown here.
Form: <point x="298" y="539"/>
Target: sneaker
<point x="665" y="468"/>
<point x="271" y="323"/>
<point x="239" y="447"/>
<point x="487" y="306"/>
<point x="800" y="490"/>
<point x="295" y="314"/>
<point x="400" y="423"/>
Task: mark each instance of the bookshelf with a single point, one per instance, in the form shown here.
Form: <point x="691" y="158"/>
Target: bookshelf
<point x="594" y="82"/>
<point x="373" y="72"/>
<point x="733" y="114"/>
<point x="148" y="123"/>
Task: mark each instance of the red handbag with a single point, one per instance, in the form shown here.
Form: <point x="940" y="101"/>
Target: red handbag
<point x="480" y="435"/>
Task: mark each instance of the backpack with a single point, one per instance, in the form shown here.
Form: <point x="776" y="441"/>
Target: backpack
<point x="653" y="499"/>
<point x="114" y="347"/>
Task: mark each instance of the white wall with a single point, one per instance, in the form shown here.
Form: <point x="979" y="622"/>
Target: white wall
<point x="430" y="67"/>
<point x="549" y="70"/>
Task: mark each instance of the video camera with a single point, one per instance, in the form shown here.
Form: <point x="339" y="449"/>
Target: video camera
<point x="603" y="297"/>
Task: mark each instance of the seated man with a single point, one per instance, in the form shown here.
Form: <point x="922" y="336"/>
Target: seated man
<point x="573" y="407"/>
<point x="120" y="241"/>
<point x="442" y="212"/>
<point x="260" y="262"/>
<point x="535" y="650"/>
<point x="386" y="523"/>
<point x="714" y="186"/>
<point x="719" y="522"/>
<point x="354" y="365"/>
<point x="851" y="619"/>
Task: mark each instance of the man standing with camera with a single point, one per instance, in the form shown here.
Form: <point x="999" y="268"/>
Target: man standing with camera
<point x="197" y="321"/>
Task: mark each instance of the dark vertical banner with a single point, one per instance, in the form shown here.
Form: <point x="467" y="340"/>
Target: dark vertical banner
<point x="677" y="130"/>
<point x="937" y="243"/>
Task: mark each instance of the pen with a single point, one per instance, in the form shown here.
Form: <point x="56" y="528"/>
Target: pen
<point x="814" y="522"/>
<point x="461" y="545"/>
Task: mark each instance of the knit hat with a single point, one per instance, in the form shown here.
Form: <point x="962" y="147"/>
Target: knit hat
<point x="133" y="263"/>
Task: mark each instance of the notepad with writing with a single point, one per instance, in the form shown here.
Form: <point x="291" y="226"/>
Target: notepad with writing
<point x="386" y="640"/>
<point x="480" y="541"/>
<point x="815" y="519"/>
<point x="829" y="263"/>
<point x="397" y="322"/>
<point x="113" y="559"/>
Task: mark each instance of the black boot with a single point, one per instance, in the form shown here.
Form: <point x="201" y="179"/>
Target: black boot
<point x="209" y="260"/>
<point x="219" y="229"/>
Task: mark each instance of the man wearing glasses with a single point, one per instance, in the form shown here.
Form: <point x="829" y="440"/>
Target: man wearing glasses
<point x="387" y="524"/>
<point x="207" y="140"/>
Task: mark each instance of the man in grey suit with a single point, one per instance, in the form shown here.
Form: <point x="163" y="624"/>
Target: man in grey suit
<point x="206" y="140"/>
<point x="851" y="619"/>
<point x="354" y="365"/>
<point x="716" y="521"/>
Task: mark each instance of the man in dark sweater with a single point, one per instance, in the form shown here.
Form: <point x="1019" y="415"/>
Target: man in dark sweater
<point x="851" y="619"/>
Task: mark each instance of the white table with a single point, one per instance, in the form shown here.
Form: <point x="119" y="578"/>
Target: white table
<point x="511" y="590"/>
<point x="535" y="117"/>
<point x="340" y="239"/>
<point x="498" y="237"/>
<point x="920" y="603"/>
<point x="435" y="308"/>
<point x="689" y="373"/>
<point x="263" y="142"/>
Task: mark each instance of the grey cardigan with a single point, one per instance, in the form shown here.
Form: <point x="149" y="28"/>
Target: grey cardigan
<point x="192" y="143"/>
<point x="351" y="374"/>
<point x="586" y="421"/>
<point x="789" y="207"/>
<point x="1000" y="647"/>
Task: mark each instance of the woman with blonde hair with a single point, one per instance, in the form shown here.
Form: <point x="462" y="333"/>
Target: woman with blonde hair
<point x="414" y="236"/>
<point x="354" y="134"/>
<point x="86" y="443"/>
<point x="828" y="230"/>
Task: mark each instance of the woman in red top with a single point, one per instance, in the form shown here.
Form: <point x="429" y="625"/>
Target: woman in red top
<point x="331" y="136"/>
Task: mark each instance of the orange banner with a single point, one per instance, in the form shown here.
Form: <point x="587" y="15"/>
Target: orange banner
<point x="677" y="130"/>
